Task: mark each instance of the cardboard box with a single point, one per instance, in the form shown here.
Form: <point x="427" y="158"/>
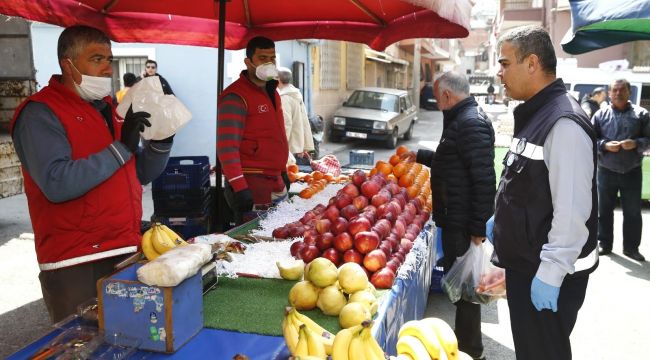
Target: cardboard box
<point x="163" y="318"/>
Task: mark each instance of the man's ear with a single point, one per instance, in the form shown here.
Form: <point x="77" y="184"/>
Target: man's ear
<point x="532" y="62"/>
<point x="248" y="62"/>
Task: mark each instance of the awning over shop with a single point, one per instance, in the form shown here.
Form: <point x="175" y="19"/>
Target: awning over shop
<point x="384" y="58"/>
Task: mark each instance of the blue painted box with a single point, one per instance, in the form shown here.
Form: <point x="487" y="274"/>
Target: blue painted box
<point x="164" y="318"/>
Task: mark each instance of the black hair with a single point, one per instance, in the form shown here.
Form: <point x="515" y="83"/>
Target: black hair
<point x="597" y="91"/>
<point x="74" y="38"/>
<point x="529" y="40"/>
<point x="129" y="79"/>
<point x="151" y="62"/>
<point x="258" y="42"/>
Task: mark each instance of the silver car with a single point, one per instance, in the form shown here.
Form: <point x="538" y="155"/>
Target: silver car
<point x="375" y="114"/>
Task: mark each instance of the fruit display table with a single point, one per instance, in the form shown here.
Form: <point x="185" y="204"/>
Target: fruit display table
<point x="405" y="301"/>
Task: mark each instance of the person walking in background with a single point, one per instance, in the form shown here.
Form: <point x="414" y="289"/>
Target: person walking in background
<point x="251" y="141"/>
<point x="296" y="122"/>
<point x="129" y="80"/>
<point x="591" y="102"/>
<point x="545" y="208"/>
<point x="83" y="170"/>
<point x="463" y="185"/>
<point x="151" y="69"/>
<point x="623" y="134"/>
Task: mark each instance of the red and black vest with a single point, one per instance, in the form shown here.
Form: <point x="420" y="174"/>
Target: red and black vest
<point x="264" y="147"/>
<point x="104" y="222"/>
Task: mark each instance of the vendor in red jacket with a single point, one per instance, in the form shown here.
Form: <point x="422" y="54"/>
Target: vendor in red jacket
<point x="83" y="170"/>
<point x="251" y="141"/>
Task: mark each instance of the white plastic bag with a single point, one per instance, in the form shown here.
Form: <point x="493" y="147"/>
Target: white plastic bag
<point x="168" y="114"/>
<point x="176" y="265"/>
<point x="473" y="278"/>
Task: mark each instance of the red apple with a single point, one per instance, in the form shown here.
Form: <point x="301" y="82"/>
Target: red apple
<point x="370" y="188"/>
<point x="309" y="237"/>
<point x="399" y="228"/>
<point x="386" y="247"/>
<point x="280" y="233"/>
<point x="379" y="179"/>
<point x="382" y="227"/>
<point x="382" y="197"/>
<point x="339" y="225"/>
<point x="390" y="217"/>
<point x="295" y="248"/>
<point x="352" y="256"/>
<point x="406" y="245"/>
<point x="342" y="200"/>
<point x="395" y="208"/>
<point x="383" y="278"/>
<point x="318" y="209"/>
<point x="309" y="253"/>
<point x="370" y="215"/>
<point x="331" y="213"/>
<point x="349" y="212"/>
<point x="409" y="236"/>
<point x="366" y="241"/>
<point x="296" y="231"/>
<point x="332" y="255"/>
<point x="358" y="224"/>
<point x="351" y="190"/>
<point x="343" y="242"/>
<point x="399" y="197"/>
<point x="413" y="229"/>
<point x="324" y="241"/>
<point x="360" y="202"/>
<point x="393" y="264"/>
<point x="399" y="256"/>
<point x="323" y="226"/>
<point x="374" y="260"/>
<point x="358" y="177"/>
<point x="308" y="216"/>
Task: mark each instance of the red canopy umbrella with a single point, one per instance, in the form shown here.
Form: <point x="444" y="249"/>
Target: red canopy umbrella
<point x="377" y="23"/>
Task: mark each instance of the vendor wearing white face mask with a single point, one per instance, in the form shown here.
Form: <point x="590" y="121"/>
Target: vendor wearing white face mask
<point x="83" y="170"/>
<point x="251" y="140"/>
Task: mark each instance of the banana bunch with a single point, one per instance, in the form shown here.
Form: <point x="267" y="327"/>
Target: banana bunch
<point x="429" y="338"/>
<point x="158" y="240"/>
<point x="304" y="337"/>
<point x="357" y="343"/>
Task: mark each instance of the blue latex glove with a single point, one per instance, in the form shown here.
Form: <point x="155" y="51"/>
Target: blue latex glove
<point x="543" y="295"/>
<point x="489" y="230"/>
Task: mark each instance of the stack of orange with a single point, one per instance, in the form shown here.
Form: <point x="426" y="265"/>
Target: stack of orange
<point x="295" y="175"/>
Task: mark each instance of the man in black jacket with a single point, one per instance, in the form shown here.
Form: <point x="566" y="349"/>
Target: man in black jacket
<point x="591" y="102"/>
<point x="463" y="186"/>
<point x="151" y="69"/>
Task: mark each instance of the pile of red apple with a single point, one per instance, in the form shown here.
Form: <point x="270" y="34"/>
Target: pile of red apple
<point x="370" y="221"/>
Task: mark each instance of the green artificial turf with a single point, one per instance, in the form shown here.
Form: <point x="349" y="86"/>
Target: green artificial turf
<point x="500" y="152"/>
<point x="254" y="306"/>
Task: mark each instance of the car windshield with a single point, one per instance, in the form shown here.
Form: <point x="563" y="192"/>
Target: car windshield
<point x="373" y="100"/>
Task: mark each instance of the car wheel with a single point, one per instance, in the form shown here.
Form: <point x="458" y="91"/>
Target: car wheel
<point x="391" y="142"/>
<point x="408" y="135"/>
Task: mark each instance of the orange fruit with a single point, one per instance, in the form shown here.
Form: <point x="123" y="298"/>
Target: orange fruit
<point x="394" y="160"/>
<point x="399" y="170"/>
<point x="384" y="167"/>
<point x="412" y="191"/>
<point x="317" y="175"/>
<point x="293" y="168"/>
<point x="306" y="193"/>
<point x="402" y="149"/>
<point x="406" y="181"/>
<point x="329" y="177"/>
<point x="373" y="171"/>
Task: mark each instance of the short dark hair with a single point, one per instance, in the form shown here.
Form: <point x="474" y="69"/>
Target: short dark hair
<point x="597" y="91"/>
<point x="75" y="38"/>
<point x="258" y="42"/>
<point x="129" y="79"/>
<point x="151" y="62"/>
<point x="625" y="82"/>
<point x="532" y="39"/>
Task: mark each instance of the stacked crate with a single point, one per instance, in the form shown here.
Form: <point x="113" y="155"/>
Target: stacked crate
<point x="181" y="195"/>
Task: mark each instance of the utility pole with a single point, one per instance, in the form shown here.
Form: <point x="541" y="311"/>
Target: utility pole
<point x="416" y="72"/>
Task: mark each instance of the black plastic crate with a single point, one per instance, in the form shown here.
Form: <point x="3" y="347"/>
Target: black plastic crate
<point x="188" y="226"/>
<point x="182" y="203"/>
<point x="183" y="173"/>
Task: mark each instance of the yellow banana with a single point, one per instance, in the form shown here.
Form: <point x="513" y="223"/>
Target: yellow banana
<point x="425" y="334"/>
<point x="446" y="335"/>
<point x="290" y="333"/>
<point x="412" y="346"/>
<point x="357" y="350"/>
<point x="161" y="242"/>
<point x="403" y="357"/>
<point x="342" y="342"/>
<point x="312" y="325"/>
<point x="302" y="348"/>
<point x="463" y="356"/>
<point x="147" y="246"/>
<point x="314" y="344"/>
<point x="177" y="239"/>
<point x="371" y="344"/>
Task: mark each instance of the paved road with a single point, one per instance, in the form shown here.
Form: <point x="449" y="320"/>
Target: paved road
<point x="613" y="323"/>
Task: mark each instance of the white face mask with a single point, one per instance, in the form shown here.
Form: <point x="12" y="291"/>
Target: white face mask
<point x="266" y="71"/>
<point x="93" y="87"/>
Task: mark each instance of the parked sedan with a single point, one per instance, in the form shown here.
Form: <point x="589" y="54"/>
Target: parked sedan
<point x="375" y="114"/>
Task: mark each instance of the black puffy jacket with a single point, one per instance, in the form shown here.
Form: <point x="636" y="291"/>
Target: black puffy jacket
<point x="463" y="182"/>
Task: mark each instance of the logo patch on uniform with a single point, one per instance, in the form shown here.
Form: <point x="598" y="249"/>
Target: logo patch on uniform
<point x="262" y="108"/>
<point x="80" y="118"/>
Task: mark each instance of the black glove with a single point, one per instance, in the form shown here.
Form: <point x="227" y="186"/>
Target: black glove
<point x="167" y="140"/>
<point x="243" y="201"/>
<point x="133" y="125"/>
<point x="285" y="178"/>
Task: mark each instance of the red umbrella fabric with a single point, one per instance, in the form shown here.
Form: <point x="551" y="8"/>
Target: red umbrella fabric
<point x="377" y="23"/>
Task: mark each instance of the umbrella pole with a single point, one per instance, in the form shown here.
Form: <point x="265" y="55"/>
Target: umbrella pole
<point x="220" y="207"/>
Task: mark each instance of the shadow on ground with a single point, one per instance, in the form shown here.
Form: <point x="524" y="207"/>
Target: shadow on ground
<point x="14" y="335"/>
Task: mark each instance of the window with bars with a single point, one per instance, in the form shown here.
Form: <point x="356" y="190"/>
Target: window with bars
<point x="354" y="66"/>
<point x="123" y="65"/>
<point x="330" y="64"/>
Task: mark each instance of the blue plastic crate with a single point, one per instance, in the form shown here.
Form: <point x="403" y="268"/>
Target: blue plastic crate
<point x="184" y="173"/>
<point x="188" y="226"/>
<point x="362" y="157"/>
<point x="436" y="278"/>
<point x="190" y="202"/>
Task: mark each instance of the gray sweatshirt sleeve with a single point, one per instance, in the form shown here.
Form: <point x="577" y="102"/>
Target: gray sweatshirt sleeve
<point x="151" y="160"/>
<point x="43" y="149"/>
<point x="568" y="154"/>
